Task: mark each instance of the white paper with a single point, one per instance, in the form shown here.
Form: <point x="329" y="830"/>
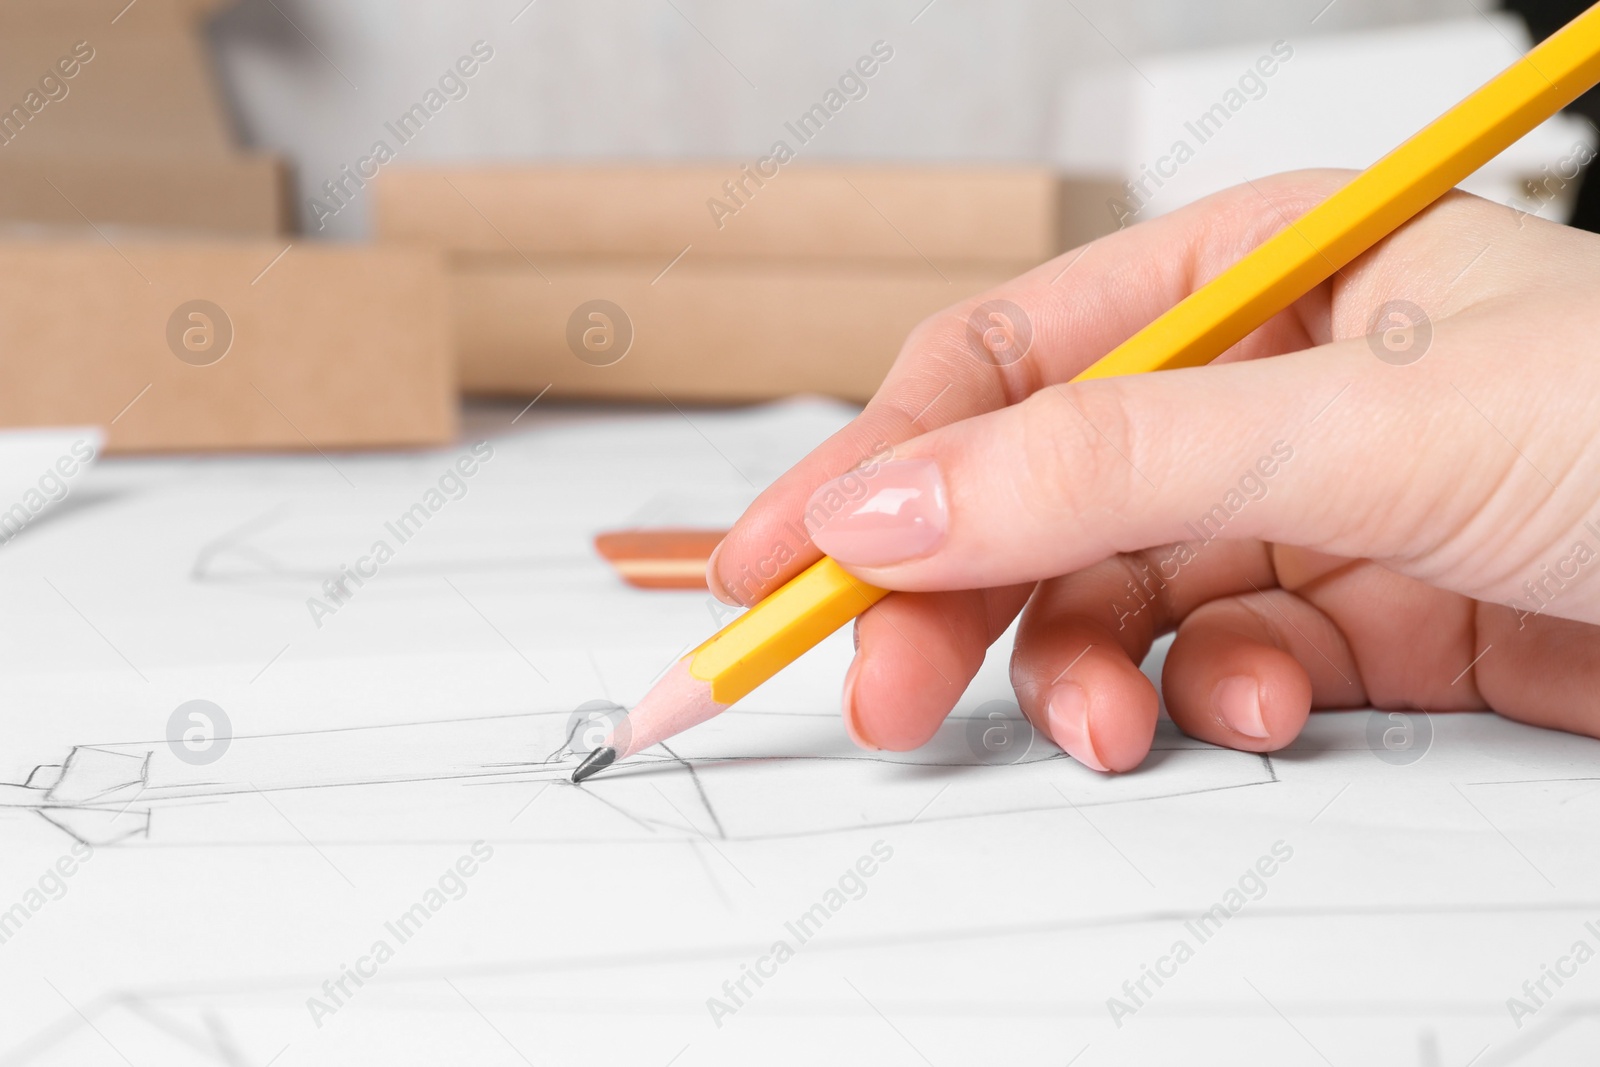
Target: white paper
<point x="420" y="733"/>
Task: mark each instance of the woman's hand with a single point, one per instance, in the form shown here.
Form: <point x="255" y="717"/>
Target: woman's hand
<point x="1388" y="495"/>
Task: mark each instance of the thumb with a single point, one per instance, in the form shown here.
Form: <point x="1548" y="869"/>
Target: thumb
<point x="1298" y="449"/>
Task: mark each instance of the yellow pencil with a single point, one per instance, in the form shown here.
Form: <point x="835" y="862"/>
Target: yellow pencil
<point x="1375" y="203"/>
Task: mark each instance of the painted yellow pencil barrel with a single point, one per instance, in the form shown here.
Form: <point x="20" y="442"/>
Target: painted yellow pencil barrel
<point x="780" y="629"/>
<point x="1217" y="316"/>
<point x="1373" y="205"/>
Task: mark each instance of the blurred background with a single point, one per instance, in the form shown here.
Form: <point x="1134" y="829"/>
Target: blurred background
<point x="648" y="200"/>
<point x="696" y="79"/>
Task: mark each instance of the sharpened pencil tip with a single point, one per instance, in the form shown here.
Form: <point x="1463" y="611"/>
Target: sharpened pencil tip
<point x="594" y="763"/>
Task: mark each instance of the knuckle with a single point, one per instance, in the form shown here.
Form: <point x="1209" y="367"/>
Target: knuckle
<point x="1080" y="444"/>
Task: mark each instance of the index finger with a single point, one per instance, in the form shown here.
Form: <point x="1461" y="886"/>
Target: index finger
<point x="1058" y="319"/>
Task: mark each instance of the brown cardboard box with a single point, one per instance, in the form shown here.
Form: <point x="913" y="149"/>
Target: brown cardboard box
<point x="910" y="215"/>
<point x="708" y="331"/>
<point x="131" y="92"/>
<point x="238" y="194"/>
<point x="324" y="348"/>
<point x="142" y="15"/>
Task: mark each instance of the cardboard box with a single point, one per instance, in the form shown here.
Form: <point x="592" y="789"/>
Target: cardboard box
<point x="327" y="348"/>
<point x="131" y="93"/>
<point x="239" y="194"/>
<point x="143" y="15"/>
<point x="909" y="215"/>
<point x="703" y="332"/>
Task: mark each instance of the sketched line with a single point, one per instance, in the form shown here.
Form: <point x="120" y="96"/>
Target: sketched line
<point x="695" y="827"/>
<point x="130" y="403"/>
<point x="524" y="11"/>
<point x="1303" y="636"/>
<point x="888" y="1022"/>
<point x="708" y="41"/>
<point x="1324" y="11"/>
<point x="896" y="229"/>
<point x="1102" y="434"/>
<point x="270" y="662"/>
<point x="95" y="228"/>
<point x="496" y="629"/>
<point x="313" y="44"/>
<point x="274" y="263"/>
<point x="124" y="11"/>
<point x="922" y="11"/>
<point x="1286" y="1022"/>
<point x="95" y="628"/>
<point x="86" y="1020"/>
<point x="487" y="1023"/>
<point x="1103" y="837"/>
<point x="303" y="837"/>
<point x="703" y="436"/>
<point x="674" y="263"/>
<point x="301" y="432"/>
<point x="1114" y="48"/>
<point x="1497" y="430"/>
<point x="716" y="883"/>
<point x="1471" y="665"/>
<point x="511" y="244"/>
<point x="532" y="402"/>
<point x="1503" y="837"/>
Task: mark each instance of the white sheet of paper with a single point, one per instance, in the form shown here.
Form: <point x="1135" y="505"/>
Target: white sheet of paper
<point x="382" y="798"/>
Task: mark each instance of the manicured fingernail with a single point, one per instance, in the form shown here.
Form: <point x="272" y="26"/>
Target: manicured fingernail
<point x="1238" y="702"/>
<point x="1068" y="712"/>
<point x="852" y="724"/>
<point x="893" y="515"/>
<point x="713" y="580"/>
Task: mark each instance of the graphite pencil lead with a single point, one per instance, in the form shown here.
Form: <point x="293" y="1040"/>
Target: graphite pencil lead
<point x="594" y="763"/>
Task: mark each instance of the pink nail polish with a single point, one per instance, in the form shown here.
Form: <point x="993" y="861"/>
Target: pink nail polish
<point x="713" y="582"/>
<point x="852" y="724"/>
<point x="1238" y="703"/>
<point x="1068" y="713"/>
<point x="896" y="514"/>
